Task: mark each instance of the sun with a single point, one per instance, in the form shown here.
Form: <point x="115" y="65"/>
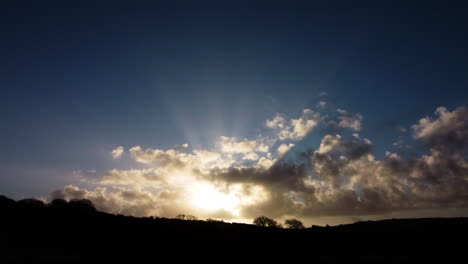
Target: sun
<point x="206" y="197"/>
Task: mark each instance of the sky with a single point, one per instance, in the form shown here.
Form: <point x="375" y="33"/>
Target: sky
<point x="237" y="109"/>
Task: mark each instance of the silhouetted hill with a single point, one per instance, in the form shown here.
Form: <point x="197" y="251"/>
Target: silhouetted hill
<point x="74" y="231"/>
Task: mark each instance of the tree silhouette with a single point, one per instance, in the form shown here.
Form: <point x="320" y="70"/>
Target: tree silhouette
<point x="265" y="221"/>
<point x="212" y="220"/>
<point x="293" y="224"/>
<point x="186" y="217"/>
<point x="32" y="203"/>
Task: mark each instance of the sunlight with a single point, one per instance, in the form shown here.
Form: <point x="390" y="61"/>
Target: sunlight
<point x="207" y="197"/>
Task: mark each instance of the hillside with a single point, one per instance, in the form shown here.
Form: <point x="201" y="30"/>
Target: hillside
<point x="32" y="231"/>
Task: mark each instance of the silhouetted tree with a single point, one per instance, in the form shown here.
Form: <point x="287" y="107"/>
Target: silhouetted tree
<point x="212" y="220"/>
<point x="32" y="203"/>
<point x="265" y="221"/>
<point x="293" y="224"/>
<point x="186" y="217"/>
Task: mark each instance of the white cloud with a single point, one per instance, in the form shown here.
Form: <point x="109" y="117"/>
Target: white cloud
<point x="284" y="148"/>
<point x="265" y="163"/>
<point x="329" y="143"/>
<point x="250" y="156"/>
<point x="206" y="156"/>
<point x="117" y="152"/>
<point x="295" y="129"/>
<point x="277" y="122"/>
<point x="172" y="157"/>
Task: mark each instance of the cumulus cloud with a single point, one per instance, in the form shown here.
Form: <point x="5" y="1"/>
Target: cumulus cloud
<point x="340" y="176"/>
<point x="449" y="131"/>
<point x="117" y="152"/>
<point x="284" y="148"/>
<point x="206" y="156"/>
<point x="295" y="129"/>
<point x="118" y="201"/>
<point x="166" y="158"/>
<point x="250" y="156"/>
<point x="351" y="121"/>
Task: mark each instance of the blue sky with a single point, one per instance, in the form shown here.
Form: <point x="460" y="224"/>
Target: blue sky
<point x="79" y="81"/>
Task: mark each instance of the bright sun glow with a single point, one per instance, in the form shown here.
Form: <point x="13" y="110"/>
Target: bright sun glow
<point x="206" y="197"/>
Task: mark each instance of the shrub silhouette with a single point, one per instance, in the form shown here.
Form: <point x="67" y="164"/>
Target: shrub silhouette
<point x="265" y="221"/>
<point x="186" y="217"/>
<point x="212" y="220"/>
<point x="293" y="224"/>
<point x="31" y="203"/>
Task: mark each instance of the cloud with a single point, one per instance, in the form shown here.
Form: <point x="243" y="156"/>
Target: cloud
<point x="250" y="156"/>
<point x="339" y="177"/>
<point x="142" y="177"/>
<point x="166" y="158"/>
<point x="342" y="111"/>
<point x="295" y="129"/>
<point x="233" y="145"/>
<point x="284" y="148"/>
<point x="277" y="122"/>
<point x="352" y="148"/>
<point x="206" y="156"/>
<point x="117" y="152"/>
<point x="449" y="131"/>
<point x="350" y="121"/>
<point x="117" y="201"/>
<point x="398" y="143"/>
<point x="321" y="104"/>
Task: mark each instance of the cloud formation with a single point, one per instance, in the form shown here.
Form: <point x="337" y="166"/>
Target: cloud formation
<point x="247" y="178"/>
<point x="117" y="152"/>
<point x="449" y="131"/>
<point x="295" y="129"/>
<point x="284" y="148"/>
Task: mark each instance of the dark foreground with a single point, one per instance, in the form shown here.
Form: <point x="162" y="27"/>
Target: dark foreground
<point x="35" y="233"/>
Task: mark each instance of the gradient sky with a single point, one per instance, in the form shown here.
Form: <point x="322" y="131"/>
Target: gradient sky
<point x="80" y="79"/>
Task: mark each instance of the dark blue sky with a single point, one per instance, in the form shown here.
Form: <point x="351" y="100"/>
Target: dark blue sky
<point x="79" y="79"/>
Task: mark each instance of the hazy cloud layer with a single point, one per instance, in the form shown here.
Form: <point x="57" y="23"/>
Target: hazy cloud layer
<point x="244" y="178"/>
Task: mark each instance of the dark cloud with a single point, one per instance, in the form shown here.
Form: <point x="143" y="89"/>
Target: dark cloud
<point x="280" y="174"/>
<point x="347" y="180"/>
<point x="448" y="132"/>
